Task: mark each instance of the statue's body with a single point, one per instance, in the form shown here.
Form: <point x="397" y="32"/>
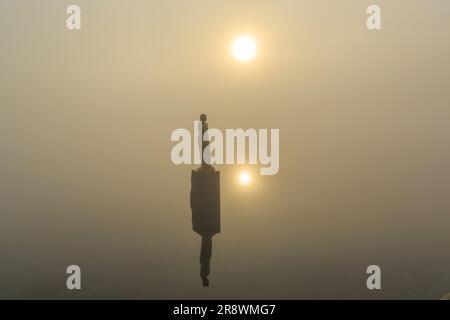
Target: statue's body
<point x="205" y="206"/>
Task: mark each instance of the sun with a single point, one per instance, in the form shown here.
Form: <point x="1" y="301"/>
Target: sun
<point x="244" y="48"/>
<point x="244" y="178"/>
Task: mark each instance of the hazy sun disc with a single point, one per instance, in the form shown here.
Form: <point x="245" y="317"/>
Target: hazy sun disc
<point x="244" y="178"/>
<point x="244" y="48"/>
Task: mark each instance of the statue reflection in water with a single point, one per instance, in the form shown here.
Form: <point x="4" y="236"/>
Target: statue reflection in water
<point x="205" y="205"/>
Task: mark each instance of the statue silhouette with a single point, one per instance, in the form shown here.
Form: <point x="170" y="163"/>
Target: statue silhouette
<point x="205" y="206"/>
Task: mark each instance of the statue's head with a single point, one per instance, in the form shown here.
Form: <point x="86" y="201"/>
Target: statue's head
<point x="203" y="117"/>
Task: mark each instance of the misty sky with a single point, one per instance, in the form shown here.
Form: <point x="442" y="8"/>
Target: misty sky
<point x="86" y="176"/>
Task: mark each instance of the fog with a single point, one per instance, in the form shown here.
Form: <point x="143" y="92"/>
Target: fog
<point x="86" y="175"/>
